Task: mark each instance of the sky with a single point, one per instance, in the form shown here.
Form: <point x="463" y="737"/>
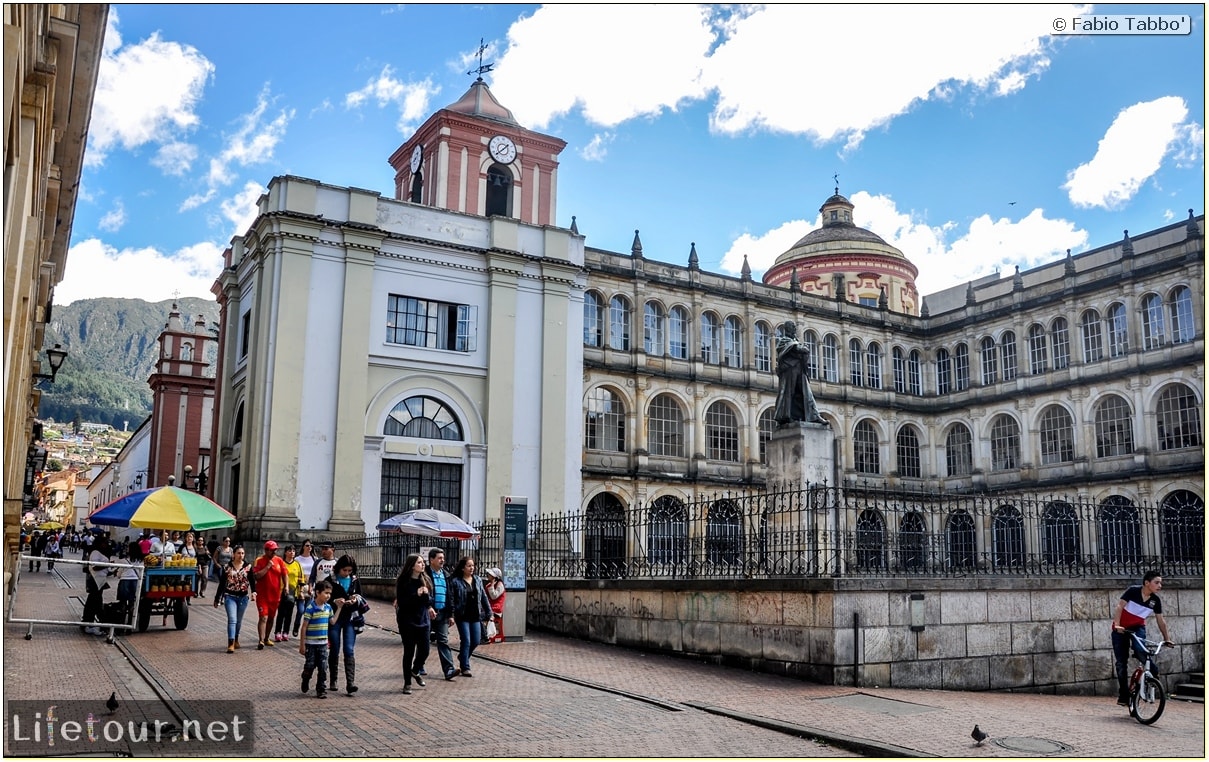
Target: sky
<point x="973" y="138"/>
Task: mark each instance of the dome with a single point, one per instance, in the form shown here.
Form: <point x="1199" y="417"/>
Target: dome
<point x="838" y="235"/>
<point x="478" y="101"/>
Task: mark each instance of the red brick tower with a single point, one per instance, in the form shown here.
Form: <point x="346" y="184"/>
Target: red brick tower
<point x="182" y="389"/>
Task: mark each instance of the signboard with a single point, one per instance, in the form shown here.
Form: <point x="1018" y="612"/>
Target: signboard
<point x="516" y="534"/>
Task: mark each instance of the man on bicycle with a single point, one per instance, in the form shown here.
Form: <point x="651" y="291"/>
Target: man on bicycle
<point x="1136" y="605"/>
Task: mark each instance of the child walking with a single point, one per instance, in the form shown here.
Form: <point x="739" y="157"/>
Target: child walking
<point x="312" y="639"/>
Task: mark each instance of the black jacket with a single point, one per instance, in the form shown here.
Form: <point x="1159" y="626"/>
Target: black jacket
<point x="470" y="602"/>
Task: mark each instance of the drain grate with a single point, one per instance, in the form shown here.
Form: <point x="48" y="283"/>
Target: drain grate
<point x="1042" y="746"/>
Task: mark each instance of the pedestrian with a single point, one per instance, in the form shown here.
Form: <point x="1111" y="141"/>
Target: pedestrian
<point x="1134" y="607"/>
<point x="37" y="545"/>
<point x="413" y="599"/>
<point x="235" y="588"/>
<point x="145" y="542"/>
<point x="53" y="551"/>
<point x="441" y="611"/>
<point x="289" y="595"/>
<point x="96" y="585"/>
<point x="313" y="640"/>
<point x="203" y="566"/>
<point x="323" y="567"/>
<point x="271" y="574"/>
<point x="496" y="594"/>
<point x="128" y="583"/>
<point x="347" y="599"/>
<point x="161" y="545"/>
<point x="222" y="556"/>
<point x="306" y="560"/>
<point x="188" y="548"/>
<point x="471" y="608"/>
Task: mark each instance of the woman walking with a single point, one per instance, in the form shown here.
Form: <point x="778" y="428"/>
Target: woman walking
<point x="470" y="609"/>
<point x="236" y="587"/>
<point x="289" y="595"/>
<point x="306" y="560"/>
<point x="95" y="602"/>
<point x="203" y="567"/>
<point x="342" y="636"/>
<point x="412" y="599"/>
<point x="222" y="556"/>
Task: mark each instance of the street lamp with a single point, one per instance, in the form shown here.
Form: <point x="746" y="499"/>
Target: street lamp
<point x="199" y="481"/>
<point x="55" y="356"/>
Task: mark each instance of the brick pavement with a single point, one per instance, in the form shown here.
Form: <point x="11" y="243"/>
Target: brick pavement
<point x="554" y="696"/>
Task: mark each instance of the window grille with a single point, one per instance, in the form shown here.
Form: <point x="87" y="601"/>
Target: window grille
<point x="959" y="451"/>
<point x="604" y="421"/>
<point x="1178" y="418"/>
<point x="665" y="427"/>
<point x="1114" y="427"/>
<point x="1057" y="436"/>
<point x="652" y="329"/>
<point x="865" y="451"/>
<point x="721" y="433"/>
<point x="1005" y="443"/>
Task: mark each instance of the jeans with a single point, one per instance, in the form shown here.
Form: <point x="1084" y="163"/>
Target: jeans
<point x="341" y="638"/>
<point x="316" y="659"/>
<point x="470" y="635"/>
<point x="440" y="632"/>
<point x="235" y="605"/>
<point x="415" y="650"/>
<point x="284" y="612"/>
<point x="1122" y="644"/>
<point x="299" y="607"/>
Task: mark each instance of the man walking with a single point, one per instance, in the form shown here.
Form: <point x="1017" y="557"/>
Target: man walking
<point x="441" y="610"/>
<point x="271" y="574"/>
<point x="1135" y="606"/>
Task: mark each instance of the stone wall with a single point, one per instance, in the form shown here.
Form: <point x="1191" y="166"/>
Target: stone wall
<point x="1048" y="635"/>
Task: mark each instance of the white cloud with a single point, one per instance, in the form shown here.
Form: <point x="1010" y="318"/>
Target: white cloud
<point x="597" y="147"/>
<point x="241" y="209"/>
<point x="114" y="219"/>
<point x="96" y="269"/>
<point x="146" y="93"/>
<point x="253" y="143"/>
<point x="986" y="246"/>
<point x="411" y="98"/>
<point x="175" y="158"/>
<point x="196" y="200"/>
<point x="1132" y="151"/>
<point x="782" y="68"/>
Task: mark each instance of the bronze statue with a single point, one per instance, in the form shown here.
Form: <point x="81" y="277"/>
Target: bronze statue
<point x="795" y="401"/>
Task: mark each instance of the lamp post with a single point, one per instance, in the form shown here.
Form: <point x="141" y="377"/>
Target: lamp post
<point x="55" y="356"/>
<point x="198" y="482"/>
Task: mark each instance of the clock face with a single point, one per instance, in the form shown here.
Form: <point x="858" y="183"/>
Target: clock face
<point x="417" y="155"/>
<point x="502" y="149"/>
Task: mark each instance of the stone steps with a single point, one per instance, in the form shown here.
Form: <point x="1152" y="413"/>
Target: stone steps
<point x="1193" y="690"/>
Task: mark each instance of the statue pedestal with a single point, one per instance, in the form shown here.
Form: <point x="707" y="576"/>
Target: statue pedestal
<point x="800" y="454"/>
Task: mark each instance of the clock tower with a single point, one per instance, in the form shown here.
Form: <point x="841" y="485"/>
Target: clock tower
<point x="473" y="156"/>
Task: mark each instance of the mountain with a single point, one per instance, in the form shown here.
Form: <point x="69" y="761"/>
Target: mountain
<point x="112" y="346"/>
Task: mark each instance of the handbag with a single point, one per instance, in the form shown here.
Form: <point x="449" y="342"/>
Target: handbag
<point x="491" y="630"/>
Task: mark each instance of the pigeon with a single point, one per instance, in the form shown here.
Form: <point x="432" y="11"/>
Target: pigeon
<point x="978" y="736"/>
<point x="112" y="703"/>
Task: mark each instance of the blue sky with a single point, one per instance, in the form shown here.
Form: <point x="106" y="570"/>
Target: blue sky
<point x="972" y="138"/>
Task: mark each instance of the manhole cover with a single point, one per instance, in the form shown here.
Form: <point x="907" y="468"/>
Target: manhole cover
<point x="1032" y="745"/>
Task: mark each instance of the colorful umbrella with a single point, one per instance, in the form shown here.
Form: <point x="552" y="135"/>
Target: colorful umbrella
<point x="430" y="522"/>
<point x="50" y="525"/>
<point x="163" y="508"/>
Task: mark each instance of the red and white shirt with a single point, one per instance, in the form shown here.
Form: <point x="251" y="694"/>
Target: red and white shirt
<point x="1137" y="611"/>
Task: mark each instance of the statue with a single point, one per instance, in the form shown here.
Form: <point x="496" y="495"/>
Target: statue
<point x="795" y="401"/>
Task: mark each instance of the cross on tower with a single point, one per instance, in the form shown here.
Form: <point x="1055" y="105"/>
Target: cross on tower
<point x="836" y="176"/>
<point x="482" y="68"/>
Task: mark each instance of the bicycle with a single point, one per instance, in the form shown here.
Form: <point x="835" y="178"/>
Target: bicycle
<point x="1147" y="698"/>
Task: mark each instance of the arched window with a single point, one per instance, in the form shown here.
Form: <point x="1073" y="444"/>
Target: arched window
<point x="1120" y="534"/>
<point x="677" y="333"/>
<point x="186" y="351"/>
<point x="604" y="538"/>
<point x="907" y="450"/>
<point x="417" y="188"/>
<point x="873" y="365"/>
<point x="1114" y="427"/>
<point x="652" y="329"/>
<point x="768" y="424"/>
<point x="831" y="353"/>
<point x="1183" y="520"/>
<point x="732" y="342"/>
<point x="1093" y="341"/>
<point x="593" y="319"/>
<point x="1007" y="534"/>
<point x="864" y="448"/>
<point x="422" y="417"/>
<point x="990" y="361"/>
<point x="913" y="543"/>
<point x="961" y="367"/>
<point x="1060" y="534"/>
<point x="499" y="191"/>
<point x="899" y="364"/>
<point x="1178" y="418"/>
<point x="944" y="372"/>
<point x="810" y="340"/>
<point x="1005" y="443"/>
<point x="1118" y="338"/>
<point x="1182" y="328"/>
<point x="1007" y="349"/>
<point x="237" y="427"/>
<point x="856" y="363"/>
<point x="667" y="532"/>
<point x="1153" y="331"/>
<point x="1037" y="358"/>
<point x="870" y="541"/>
<point x="959" y="451"/>
<point x="721" y="433"/>
<point x="604" y="422"/>
<point x="665" y="427"/>
<point x="619" y="323"/>
<point x="1060" y="340"/>
<point x="961" y="542"/>
<point x="710" y="339"/>
<point x="763" y="348"/>
<point x="1057" y="436"/>
<point x="724" y="534"/>
<point x="914" y="380"/>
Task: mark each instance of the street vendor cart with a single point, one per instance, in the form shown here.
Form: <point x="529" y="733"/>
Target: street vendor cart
<point x="168" y="584"/>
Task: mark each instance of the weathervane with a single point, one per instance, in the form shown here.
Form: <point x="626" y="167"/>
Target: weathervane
<point x="482" y="68"/>
<point x="837" y="183"/>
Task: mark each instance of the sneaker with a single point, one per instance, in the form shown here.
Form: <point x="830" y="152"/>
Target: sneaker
<point x="466" y="673"/>
<point x="451" y="674"/>
<point x="422" y="673"/>
<point x="1123" y="700"/>
<point x="92" y="631"/>
<point x="419" y="680"/>
<point x="406" y="690"/>
<point x="321" y="695"/>
<point x="306" y="685"/>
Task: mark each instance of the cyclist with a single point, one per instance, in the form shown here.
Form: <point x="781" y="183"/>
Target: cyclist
<point x="1136" y="605"/>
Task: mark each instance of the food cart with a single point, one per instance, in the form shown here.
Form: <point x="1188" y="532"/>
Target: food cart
<point x="168" y="584"/>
